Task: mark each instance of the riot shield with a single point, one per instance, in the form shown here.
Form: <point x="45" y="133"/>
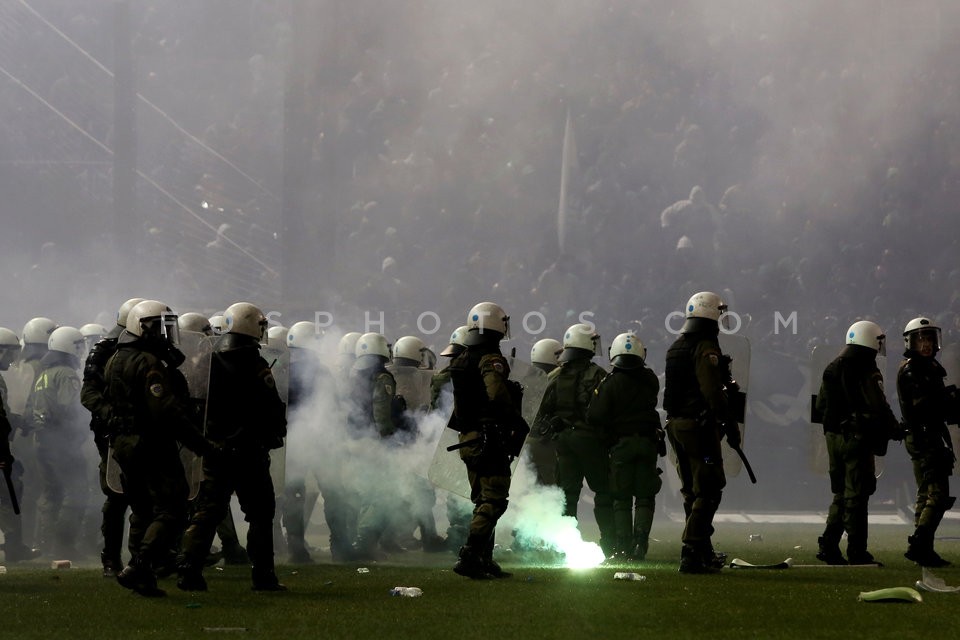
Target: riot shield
<point x="950" y="359"/>
<point x="278" y="357"/>
<point x="413" y="384"/>
<point x="822" y="356"/>
<point x="197" y="349"/>
<point x="542" y="450"/>
<point x="737" y="348"/>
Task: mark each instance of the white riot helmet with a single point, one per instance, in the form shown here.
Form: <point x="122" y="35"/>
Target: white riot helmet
<point x="195" y="323"/>
<point x="245" y="319"/>
<point x="627" y="351"/>
<point x="277" y="335"/>
<point x="9" y="348"/>
<point x="705" y="305"/>
<point x="408" y="351"/>
<point x="456" y="344"/>
<point x="67" y="340"/>
<point x="867" y="334"/>
<point x="304" y="335"/>
<point x="920" y="330"/>
<point x="38" y="330"/>
<point x="217" y="324"/>
<point x="544" y="353"/>
<point x="486" y="322"/>
<point x="154" y="320"/>
<point x="92" y="333"/>
<point x="346" y="349"/>
<point x="704" y="310"/>
<point x="371" y="349"/>
<point x="124" y="310"/>
<point x="581" y="340"/>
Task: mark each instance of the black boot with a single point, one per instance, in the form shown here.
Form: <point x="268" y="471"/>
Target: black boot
<point x="470" y="564"/>
<point x="489" y="564"/>
<point x="829" y="551"/>
<point x="921" y="549"/>
<point x="190" y="577"/>
<point x="298" y="553"/>
<point x="266" y="580"/>
<point x="700" y="559"/>
<point x="138" y="576"/>
<point x="111" y="565"/>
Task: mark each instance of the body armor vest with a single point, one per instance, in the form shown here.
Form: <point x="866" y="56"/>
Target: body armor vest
<point x="681" y="390"/>
<point x="469" y="392"/>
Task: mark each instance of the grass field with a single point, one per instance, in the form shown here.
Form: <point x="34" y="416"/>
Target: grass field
<point x="336" y="601"/>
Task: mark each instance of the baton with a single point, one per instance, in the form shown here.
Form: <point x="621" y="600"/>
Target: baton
<point x="13" y="493"/>
<point x="746" y="464"/>
<point x="465" y="443"/>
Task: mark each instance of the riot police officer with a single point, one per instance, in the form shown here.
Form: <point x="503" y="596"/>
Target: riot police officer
<point x="246" y="419"/>
<point x="371" y="415"/>
<point x="624" y="410"/>
<point x="10" y="523"/>
<point x="149" y="419"/>
<point x="542" y="446"/>
<point x="486" y="412"/>
<point x="60" y="436"/>
<point x="581" y="451"/>
<point x="92" y="396"/>
<point x="857" y="424"/>
<point x="925" y="406"/>
<point x="697" y="418"/>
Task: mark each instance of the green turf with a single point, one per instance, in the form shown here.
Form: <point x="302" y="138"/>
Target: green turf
<point x="332" y="601"/>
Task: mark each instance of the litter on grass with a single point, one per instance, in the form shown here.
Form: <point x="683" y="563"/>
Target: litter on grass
<point x="891" y="594"/>
<point x="629" y="575"/>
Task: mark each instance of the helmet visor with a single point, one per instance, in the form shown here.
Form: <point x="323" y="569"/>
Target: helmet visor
<point x="925" y="341"/>
<point x="169" y="328"/>
<point x="724" y="320"/>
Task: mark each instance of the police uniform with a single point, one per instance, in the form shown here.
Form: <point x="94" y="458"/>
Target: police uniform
<point x="372" y="390"/>
<point x="696" y="407"/>
<point x="924" y="405"/>
<point x="458" y="508"/>
<point x="150" y="420"/>
<point x="542" y="446"/>
<point x="60" y="437"/>
<point x="13" y="548"/>
<point x="484" y="410"/>
<point x="246" y="419"/>
<point x="624" y="411"/>
<point x="582" y="452"/>
<point x="856" y="419"/>
<point x="306" y="374"/>
<point x="114" y="510"/>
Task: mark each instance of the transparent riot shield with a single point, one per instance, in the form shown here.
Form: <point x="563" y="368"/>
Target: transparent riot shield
<point x="737" y="348"/>
<point x="822" y="356"/>
<point x="542" y="449"/>
<point x="197" y="349"/>
<point x="413" y="384"/>
<point x="950" y="359"/>
<point x="278" y="357"/>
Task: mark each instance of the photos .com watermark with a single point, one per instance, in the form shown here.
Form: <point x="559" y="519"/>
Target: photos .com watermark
<point x="534" y="323"/>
